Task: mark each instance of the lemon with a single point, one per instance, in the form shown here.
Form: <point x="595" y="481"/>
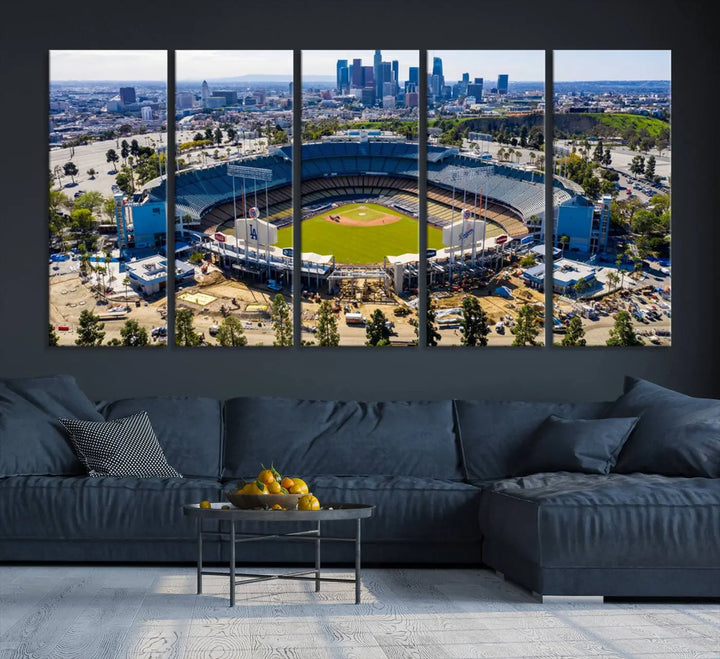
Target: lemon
<point x="308" y="502"/>
<point x="205" y="504"/>
<point x="299" y="487"/>
<point x="274" y="487"/>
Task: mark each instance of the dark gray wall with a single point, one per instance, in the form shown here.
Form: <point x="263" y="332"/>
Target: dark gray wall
<point x="28" y="31"/>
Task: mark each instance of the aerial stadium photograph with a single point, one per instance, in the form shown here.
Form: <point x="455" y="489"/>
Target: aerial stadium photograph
<point x="360" y="221"/>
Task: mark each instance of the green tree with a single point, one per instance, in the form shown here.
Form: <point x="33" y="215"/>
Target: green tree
<point x="623" y="334"/>
<point x="53" y="338"/>
<point x="56" y="220"/>
<point x="637" y="165"/>
<point x="124" y="181"/>
<point x="564" y="241"/>
<point x="599" y="153"/>
<point x="282" y="322"/>
<point x="650" y="168"/>
<point x="433" y="336"/>
<point x="71" y="170"/>
<point x="197" y="258"/>
<point x="135" y="148"/>
<point x="82" y="220"/>
<point x="327" y="333"/>
<point x="133" y="334"/>
<point x="575" y="335"/>
<point x="111" y="156"/>
<point x="209" y="134"/>
<point x="218" y="135"/>
<point x="185" y="334"/>
<point x="528" y="261"/>
<point x="91" y="173"/>
<point x="92" y="200"/>
<point x="474" y="323"/>
<point x="109" y="208"/>
<point x="231" y="333"/>
<point x="198" y="137"/>
<point x="124" y="150"/>
<point x="523" y="136"/>
<point x="525" y="329"/>
<point x="376" y="330"/>
<point x="90" y="330"/>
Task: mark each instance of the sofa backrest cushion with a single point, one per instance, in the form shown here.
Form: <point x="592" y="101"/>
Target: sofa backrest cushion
<point x="189" y="430"/>
<point x="495" y="434"/>
<point x="32" y="440"/>
<point x="677" y="435"/>
<point x="587" y="446"/>
<point x="312" y="437"/>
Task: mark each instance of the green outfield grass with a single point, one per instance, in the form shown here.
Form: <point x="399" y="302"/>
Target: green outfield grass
<point x="358" y="244"/>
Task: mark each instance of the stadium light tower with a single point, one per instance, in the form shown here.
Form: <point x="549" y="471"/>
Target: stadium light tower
<point x="256" y="174"/>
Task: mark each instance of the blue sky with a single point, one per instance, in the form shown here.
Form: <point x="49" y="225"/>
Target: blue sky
<point x="487" y="64"/>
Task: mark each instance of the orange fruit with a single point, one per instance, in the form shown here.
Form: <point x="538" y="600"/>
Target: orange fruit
<point x="225" y="507"/>
<point x="277" y="506"/>
<point x="308" y="502"/>
<point x="205" y="504"/>
<point x="299" y="487"/>
<point x="274" y="487"/>
<point x="287" y="482"/>
<point x="256" y="487"/>
<point x="266" y="476"/>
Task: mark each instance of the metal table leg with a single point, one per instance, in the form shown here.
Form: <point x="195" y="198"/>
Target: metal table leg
<point x="357" y="561"/>
<point x="317" y="560"/>
<point x="199" y="556"/>
<point x="232" y="562"/>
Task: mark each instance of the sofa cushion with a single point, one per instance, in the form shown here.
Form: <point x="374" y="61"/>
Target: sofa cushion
<point x="188" y="429"/>
<point x="408" y="508"/>
<point x="121" y="447"/>
<point x="589" y="446"/>
<point x="32" y="440"/>
<point x="310" y="437"/>
<point x="494" y="434"/>
<point x="587" y="520"/>
<point x="56" y="395"/>
<point x="111" y="510"/>
<point x="677" y="435"/>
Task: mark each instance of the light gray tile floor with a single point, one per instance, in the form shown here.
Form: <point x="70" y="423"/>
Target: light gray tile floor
<point x="62" y="612"/>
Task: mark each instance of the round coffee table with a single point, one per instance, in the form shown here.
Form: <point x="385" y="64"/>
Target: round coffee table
<point x="328" y="513"/>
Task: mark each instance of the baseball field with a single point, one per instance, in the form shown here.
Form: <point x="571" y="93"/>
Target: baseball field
<point x="360" y="233"/>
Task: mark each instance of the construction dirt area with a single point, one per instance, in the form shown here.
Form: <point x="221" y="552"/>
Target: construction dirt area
<point x="70" y="295"/>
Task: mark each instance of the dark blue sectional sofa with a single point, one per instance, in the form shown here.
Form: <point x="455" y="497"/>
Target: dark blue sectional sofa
<point x="449" y="478"/>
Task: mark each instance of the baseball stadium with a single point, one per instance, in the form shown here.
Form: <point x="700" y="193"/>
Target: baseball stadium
<point x="359" y="213"/>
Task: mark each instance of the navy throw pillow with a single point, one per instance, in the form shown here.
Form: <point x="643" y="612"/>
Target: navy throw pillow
<point x="32" y="440"/>
<point x="677" y="435"/>
<point x="588" y="446"/>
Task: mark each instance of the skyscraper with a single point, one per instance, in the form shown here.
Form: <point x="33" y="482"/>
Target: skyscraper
<point x="414" y="75"/>
<point x="368" y="78"/>
<point x="476" y="89"/>
<point x="437" y="79"/>
<point x="342" y="81"/>
<point x="357" y="74"/>
<point x="502" y="84"/>
<point x="396" y="75"/>
<point x="437" y="69"/>
<point x="204" y="93"/>
<point x="127" y="95"/>
<point x="378" y="74"/>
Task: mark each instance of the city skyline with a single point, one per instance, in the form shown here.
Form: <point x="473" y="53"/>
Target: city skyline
<point x="520" y="65"/>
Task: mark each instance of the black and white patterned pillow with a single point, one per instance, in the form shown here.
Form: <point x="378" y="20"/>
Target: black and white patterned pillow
<point x="121" y="447"/>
